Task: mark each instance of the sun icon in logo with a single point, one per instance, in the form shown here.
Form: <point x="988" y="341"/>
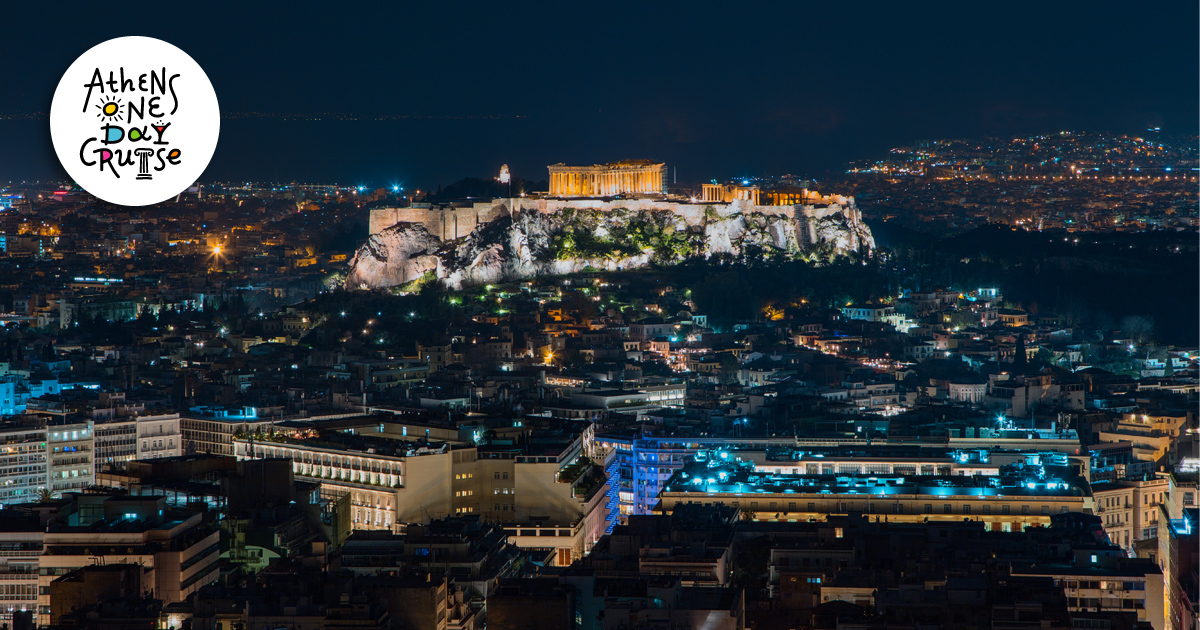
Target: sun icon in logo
<point x="110" y="109"/>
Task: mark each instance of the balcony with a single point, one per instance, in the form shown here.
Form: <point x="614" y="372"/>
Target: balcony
<point x="19" y="575"/>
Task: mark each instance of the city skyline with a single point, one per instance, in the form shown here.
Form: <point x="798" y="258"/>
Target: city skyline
<point x="600" y="317"/>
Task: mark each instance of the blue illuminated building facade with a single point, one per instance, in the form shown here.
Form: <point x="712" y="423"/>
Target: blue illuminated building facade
<point x="642" y="465"/>
<point x="1019" y="495"/>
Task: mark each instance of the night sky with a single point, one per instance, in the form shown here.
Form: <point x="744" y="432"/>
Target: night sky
<point x="714" y="89"/>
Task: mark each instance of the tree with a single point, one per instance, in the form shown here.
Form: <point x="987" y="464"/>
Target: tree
<point x="729" y="368"/>
<point x="725" y="297"/>
<point x="1137" y="327"/>
<point x="431" y="301"/>
<point x="1043" y="358"/>
<point x="962" y="319"/>
<point x="1021" y="358"/>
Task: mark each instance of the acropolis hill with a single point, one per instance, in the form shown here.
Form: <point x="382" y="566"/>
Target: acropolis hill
<point x="615" y="217"/>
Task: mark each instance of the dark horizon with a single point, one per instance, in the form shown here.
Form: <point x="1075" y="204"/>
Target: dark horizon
<point x="711" y="91"/>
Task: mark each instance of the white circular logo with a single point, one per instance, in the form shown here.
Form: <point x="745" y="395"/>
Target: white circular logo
<point x="134" y="121"/>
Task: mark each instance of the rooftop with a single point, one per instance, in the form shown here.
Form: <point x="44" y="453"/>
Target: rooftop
<point x="721" y="472"/>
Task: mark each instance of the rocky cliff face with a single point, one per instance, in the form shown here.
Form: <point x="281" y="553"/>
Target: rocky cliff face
<point x="528" y="243"/>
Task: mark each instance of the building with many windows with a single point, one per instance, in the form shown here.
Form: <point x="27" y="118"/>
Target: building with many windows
<point x="177" y="549"/>
<point x="1129" y="507"/>
<point x="21" y="546"/>
<point x="24" y="468"/>
<point x="1021" y="495"/>
<point x="211" y="429"/>
<point x="70" y="447"/>
<point x="642" y="465"/>
<point x="126" y="438"/>
<point x="545" y="492"/>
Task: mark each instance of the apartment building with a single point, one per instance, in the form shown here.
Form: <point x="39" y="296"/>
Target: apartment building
<point x="177" y="550"/>
<point x="24" y="467"/>
<point x="70" y="447"/>
<point x="545" y="492"/>
<point x="1129" y="508"/>
<point x="123" y="439"/>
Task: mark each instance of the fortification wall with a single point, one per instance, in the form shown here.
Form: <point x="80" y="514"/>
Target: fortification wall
<point x="382" y="218"/>
<point x="445" y="223"/>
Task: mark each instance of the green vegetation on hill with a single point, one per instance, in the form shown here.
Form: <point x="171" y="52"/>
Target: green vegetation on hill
<point x="573" y="244"/>
<point x="592" y="234"/>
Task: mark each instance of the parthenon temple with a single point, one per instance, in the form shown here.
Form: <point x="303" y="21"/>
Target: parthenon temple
<point x="630" y="177"/>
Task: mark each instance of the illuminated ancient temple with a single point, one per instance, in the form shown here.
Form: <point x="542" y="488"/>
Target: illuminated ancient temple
<point x="780" y="196"/>
<point x="628" y="177"/>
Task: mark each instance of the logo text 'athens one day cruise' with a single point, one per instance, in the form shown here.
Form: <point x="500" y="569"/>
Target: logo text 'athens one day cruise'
<point x="134" y="121"/>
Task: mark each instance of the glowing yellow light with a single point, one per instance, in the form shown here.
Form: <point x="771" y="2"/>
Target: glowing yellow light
<point x="217" y="250"/>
